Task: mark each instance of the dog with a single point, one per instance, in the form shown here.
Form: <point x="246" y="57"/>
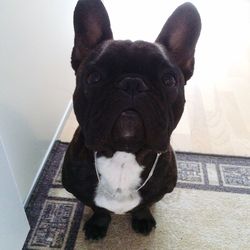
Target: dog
<point x="129" y="97"/>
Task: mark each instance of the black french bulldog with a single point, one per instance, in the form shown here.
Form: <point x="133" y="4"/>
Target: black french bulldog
<point x="129" y="98"/>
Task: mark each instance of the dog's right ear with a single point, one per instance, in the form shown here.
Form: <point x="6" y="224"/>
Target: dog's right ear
<point x="92" y="26"/>
<point x="179" y="36"/>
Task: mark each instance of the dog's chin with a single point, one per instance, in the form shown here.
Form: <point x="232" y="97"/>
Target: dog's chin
<point x="128" y="133"/>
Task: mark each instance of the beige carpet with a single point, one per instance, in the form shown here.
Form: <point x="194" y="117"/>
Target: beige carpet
<point x="209" y="210"/>
<point x="186" y="220"/>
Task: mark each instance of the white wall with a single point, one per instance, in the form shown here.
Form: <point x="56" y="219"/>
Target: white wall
<point x="36" y="80"/>
<point x="14" y="225"/>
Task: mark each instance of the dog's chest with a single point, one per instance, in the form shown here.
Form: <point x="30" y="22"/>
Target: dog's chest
<point x="119" y="180"/>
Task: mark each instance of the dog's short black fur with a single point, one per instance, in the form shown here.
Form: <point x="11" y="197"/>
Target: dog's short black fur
<point x="129" y="97"/>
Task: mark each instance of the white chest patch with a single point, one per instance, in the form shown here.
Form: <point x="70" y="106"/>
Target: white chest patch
<point x="119" y="179"/>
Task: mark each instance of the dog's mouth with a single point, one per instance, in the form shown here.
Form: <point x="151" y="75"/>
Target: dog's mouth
<point x="128" y="132"/>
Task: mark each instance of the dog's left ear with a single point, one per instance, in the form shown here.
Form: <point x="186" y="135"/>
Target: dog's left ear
<point x="179" y="36"/>
<point x="92" y="26"/>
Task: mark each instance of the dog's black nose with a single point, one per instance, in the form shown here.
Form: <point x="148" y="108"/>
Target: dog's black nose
<point x="132" y="85"/>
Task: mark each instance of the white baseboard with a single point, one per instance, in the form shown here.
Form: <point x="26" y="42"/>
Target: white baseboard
<point x="57" y="133"/>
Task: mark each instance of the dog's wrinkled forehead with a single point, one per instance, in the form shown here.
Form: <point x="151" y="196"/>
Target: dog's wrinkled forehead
<point x="130" y="56"/>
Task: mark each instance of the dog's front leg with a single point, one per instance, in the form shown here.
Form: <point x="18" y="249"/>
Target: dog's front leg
<point x="143" y="221"/>
<point x="97" y="226"/>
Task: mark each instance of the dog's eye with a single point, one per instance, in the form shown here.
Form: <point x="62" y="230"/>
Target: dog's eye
<point x="169" y="80"/>
<point x="93" y="77"/>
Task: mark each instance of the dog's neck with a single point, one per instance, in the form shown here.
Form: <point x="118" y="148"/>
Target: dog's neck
<point x="140" y="155"/>
<point x="146" y="180"/>
<point x="119" y="181"/>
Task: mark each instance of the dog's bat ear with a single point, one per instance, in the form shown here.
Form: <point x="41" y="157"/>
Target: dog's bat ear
<point x="92" y="26"/>
<point x="179" y="35"/>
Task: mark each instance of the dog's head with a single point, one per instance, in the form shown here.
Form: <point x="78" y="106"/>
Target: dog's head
<point x="130" y="95"/>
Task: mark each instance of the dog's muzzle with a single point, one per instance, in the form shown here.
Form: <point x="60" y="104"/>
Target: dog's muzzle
<point x="128" y="132"/>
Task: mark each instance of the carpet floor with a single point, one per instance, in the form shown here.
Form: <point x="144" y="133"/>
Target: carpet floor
<point x="208" y="210"/>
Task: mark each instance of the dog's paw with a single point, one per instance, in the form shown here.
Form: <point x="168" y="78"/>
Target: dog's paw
<point x="143" y="225"/>
<point x="96" y="227"/>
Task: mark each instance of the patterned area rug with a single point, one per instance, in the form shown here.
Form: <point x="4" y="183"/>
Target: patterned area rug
<point x="209" y="209"/>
